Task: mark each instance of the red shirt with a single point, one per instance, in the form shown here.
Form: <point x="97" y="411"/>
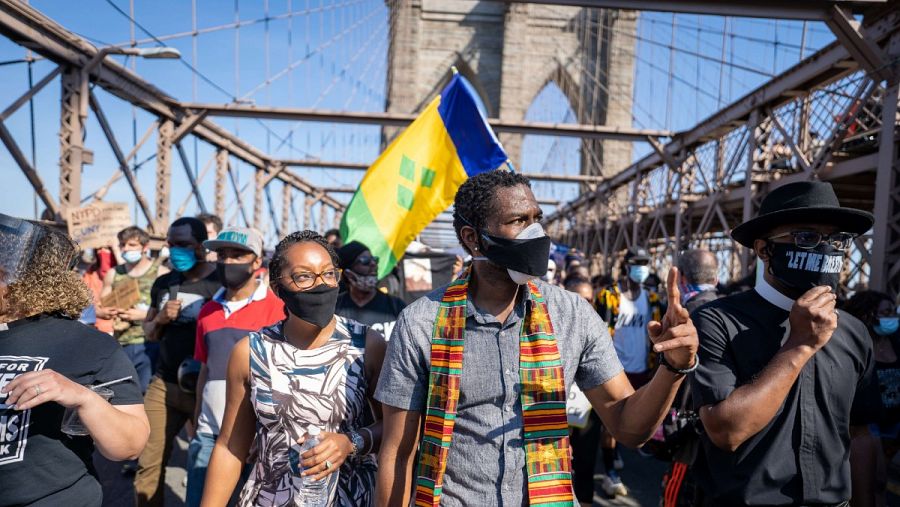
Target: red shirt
<point x="216" y="334"/>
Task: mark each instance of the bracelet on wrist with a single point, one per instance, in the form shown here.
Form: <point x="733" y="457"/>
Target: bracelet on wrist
<point x="356" y="440"/>
<point x="663" y="361"/>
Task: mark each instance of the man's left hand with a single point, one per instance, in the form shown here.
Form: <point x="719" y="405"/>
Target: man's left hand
<point x="675" y="335"/>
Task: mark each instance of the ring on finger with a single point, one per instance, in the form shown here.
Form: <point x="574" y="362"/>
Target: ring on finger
<point x="328" y="465"/>
<point x="37" y="390"/>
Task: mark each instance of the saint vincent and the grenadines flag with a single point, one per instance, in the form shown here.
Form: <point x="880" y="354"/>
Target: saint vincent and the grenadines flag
<point x="416" y="177"/>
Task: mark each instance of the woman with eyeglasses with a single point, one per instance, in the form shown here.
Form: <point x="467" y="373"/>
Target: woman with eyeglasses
<point x="313" y="369"/>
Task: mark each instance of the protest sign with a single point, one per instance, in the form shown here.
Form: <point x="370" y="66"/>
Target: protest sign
<point x="96" y="225"/>
<point x="124" y="295"/>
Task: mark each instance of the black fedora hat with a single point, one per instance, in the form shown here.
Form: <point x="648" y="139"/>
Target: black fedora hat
<point x="809" y="202"/>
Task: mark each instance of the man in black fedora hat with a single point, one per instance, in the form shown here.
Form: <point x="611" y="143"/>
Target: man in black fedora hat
<point x="783" y="374"/>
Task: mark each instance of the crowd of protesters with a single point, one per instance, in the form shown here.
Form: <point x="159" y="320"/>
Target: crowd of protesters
<point x="782" y="392"/>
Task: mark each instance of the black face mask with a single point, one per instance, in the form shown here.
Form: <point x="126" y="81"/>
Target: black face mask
<point x="801" y="270"/>
<point x="234" y="276"/>
<point x="525" y="256"/>
<point x="315" y="305"/>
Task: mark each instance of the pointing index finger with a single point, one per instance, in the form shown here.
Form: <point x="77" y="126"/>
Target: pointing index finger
<point x="672" y="289"/>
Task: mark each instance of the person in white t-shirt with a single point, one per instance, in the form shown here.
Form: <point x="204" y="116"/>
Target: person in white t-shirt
<point x="627" y="308"/>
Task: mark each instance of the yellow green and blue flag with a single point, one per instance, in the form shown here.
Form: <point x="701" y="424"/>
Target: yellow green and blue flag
<point x="415" y="179"/>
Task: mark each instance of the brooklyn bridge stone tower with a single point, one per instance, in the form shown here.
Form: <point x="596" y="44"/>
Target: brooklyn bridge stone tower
<point x="510" y="52"/>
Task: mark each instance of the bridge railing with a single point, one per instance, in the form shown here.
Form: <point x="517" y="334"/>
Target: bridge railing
<point x="821" y="120"/>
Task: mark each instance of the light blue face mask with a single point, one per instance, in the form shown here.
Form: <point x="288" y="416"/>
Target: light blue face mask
<point x="887" y="326"/>
<point x="183" y="259"/>
<point x="638" y="273"/>
<point x="132" y="256"/>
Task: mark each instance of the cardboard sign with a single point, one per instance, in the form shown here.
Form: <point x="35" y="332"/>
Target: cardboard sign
<point x="124" y="295"/>
<point x="97" y="224"/>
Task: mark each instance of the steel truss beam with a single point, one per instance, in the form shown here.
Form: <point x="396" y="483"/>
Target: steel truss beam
<point x="864" y="51"/>
<point x="101" y="192"/>
<point x="123" y="162"/>
<point x="187" y="199"/>
<point x="221" y="175"/>
<point x="357" y="166"/>
<point x="401" y="120"/>
<point x="886" y="231"/>
<point x="259" y="188"/>
<point x="71" y="141"/>
<point x="21" y="101"/>
<point x="190" y="174"/>
<point x="794" y="9"/>
<point x="352" y="190"/>
<point x="825" y="66"/>
<point x="30" y="28"/>
<point x="693" y="190"/>
<point x="287" y="202"/>
<point x="163" y="173"/>
<point x="30" y="173"/>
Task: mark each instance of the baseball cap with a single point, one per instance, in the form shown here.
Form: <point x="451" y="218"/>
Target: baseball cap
<point x="637" y="254"/>
<point x="237" y="237"/>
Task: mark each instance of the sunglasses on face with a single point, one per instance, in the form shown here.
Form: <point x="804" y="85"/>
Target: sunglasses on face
<point x="366" y="260"/>
<point x="808" y="240"/>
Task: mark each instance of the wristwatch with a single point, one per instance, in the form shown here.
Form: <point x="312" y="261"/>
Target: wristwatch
<point x="357" y="441"/>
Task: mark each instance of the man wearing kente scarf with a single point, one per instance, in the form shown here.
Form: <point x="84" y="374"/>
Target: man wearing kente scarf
<point x="475" y="380"/>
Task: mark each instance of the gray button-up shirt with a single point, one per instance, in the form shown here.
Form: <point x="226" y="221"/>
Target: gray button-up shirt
<point x="486" y="464"/>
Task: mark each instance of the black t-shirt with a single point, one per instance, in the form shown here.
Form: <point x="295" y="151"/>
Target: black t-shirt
<point x="889" y="387"/>
<point x="36" y="459"/>
<point x="178" y="337"/>
<point x="699" y="300"/>
<point x="801" y="457"/>
<point x="379" y="314"/>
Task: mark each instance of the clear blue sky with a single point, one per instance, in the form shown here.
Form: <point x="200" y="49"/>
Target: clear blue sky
<point x="338" y="49"/>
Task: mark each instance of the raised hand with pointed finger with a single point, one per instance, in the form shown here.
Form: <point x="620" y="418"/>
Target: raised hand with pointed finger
<point x="675" y="336"/>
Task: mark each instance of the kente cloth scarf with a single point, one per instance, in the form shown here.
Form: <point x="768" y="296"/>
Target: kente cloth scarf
<point x="543" y="396"/>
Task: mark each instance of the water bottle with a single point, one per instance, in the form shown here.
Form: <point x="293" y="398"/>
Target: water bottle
<point x="315" y="493"/>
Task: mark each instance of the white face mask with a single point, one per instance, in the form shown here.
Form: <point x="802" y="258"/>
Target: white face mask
<point x="361" y="282"/>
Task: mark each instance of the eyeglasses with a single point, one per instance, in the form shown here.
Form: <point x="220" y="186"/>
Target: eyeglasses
<point x="366" y="260"/>
<point x="305" y="280"/>
<point x="808" y="240"/>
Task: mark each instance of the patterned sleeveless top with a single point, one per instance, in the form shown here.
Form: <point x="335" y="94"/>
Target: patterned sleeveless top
<point x="291" y="389"/>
